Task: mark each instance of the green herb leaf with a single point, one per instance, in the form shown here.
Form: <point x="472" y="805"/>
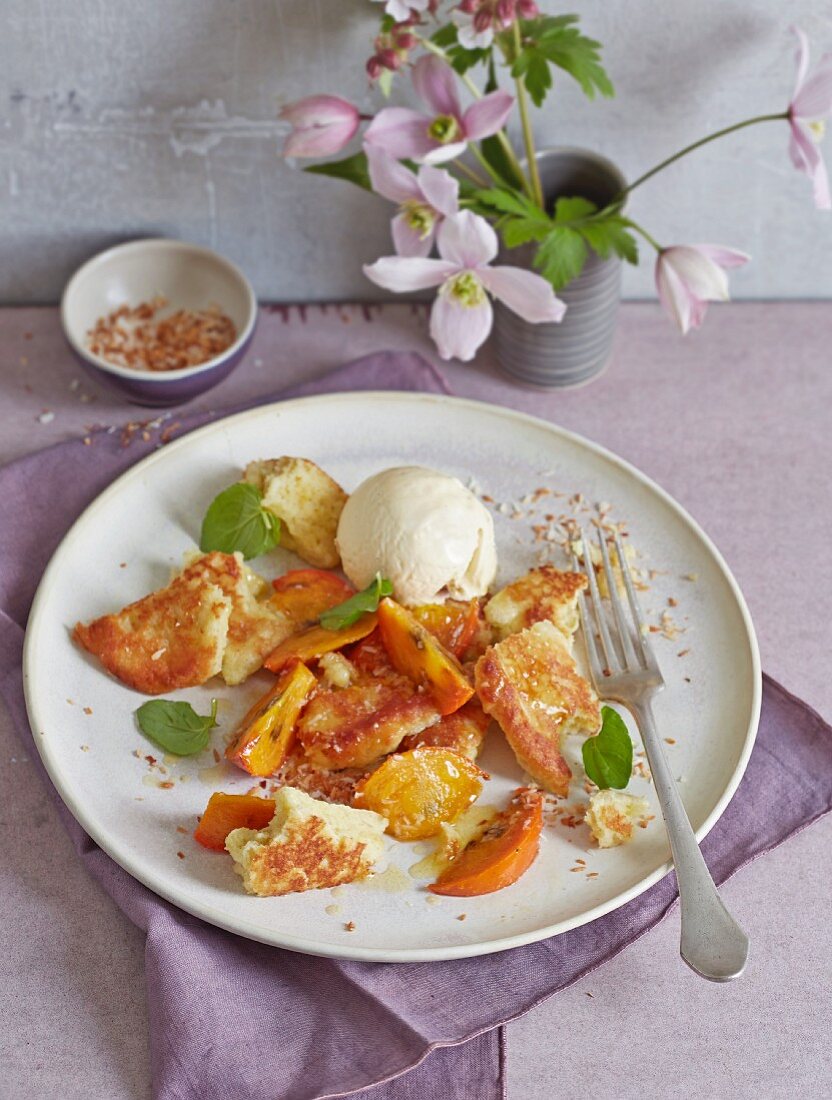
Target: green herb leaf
<point x="557" y="41"/>
<point x="561" y="256"/>
<point x="608" y="757"/>
<point x="573" y="209"/>
<point x="352" y="169"/>
<point x="237" y="520"/>
<point x="611" y="235"/>
<point x="176" y="727"/>
<point x="351" y="610"/>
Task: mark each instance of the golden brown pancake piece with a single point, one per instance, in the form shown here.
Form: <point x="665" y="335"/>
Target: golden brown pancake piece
<point x="530" y="684"/>
<point x="541" y="594"/>
<point x="204" y="622"/>
<point x="308" y="845"/>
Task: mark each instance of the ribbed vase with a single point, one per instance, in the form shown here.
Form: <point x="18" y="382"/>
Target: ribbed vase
<point x="579" y="347"/>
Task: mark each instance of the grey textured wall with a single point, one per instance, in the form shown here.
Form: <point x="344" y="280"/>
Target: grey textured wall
<point x="158" y="116"/>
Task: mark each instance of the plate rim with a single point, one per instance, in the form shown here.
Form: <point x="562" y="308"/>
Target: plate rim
<point x="253" y="931"/>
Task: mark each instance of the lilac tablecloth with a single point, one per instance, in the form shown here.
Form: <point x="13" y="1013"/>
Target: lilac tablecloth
<point x="203" y="983"/>
<point x="643" y="992"/>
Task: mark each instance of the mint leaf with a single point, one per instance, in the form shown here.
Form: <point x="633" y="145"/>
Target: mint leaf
<point x="608" y="757"/>
<point x="351" y="610"/>
<point x="352" y="169"/>
<point x="237" y="520"/>
<point x="561" y="256"/>
<point x="176" y="727"/>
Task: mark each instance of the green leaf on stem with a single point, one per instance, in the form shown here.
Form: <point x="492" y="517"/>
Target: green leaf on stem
<point x="492" y="149"/>
<point x="611" y="235"/>
<point x="573" y="208"/>
<point x="608" y="757"/>
<point x="557" y="41"/>
<point x="561" y="255"/>
<point x="353" y="169"/>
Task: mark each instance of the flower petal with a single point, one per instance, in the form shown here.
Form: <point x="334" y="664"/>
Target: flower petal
<point x="701" y="276"/>
<point x="530" y="296"/>
<point x="801" y="59"/>
<point x="459" y="330"/>
<point x="405" y="273"/>
<point x="814" y="100"/>
<point x="318" y="110"/>
<point x="389" y="178"/>
<point x="435" y="83"/>
<point x="401" y="132"/>
<point x="806" y="157"/>
<point x="467" y="240"/>
<point x="673" y="294"/>
<point x="725" y="257"/>
<point x="487" y="115"/>
<point x="441" y="154"/>
<point x="440" y="189"/>
<point x="320" y="141"/>
<point x="407" y="241"/>
<point x="467" y="34"/>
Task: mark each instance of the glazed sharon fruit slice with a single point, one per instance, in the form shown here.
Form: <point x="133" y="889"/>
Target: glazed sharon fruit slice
<point x="266" y="734"/>
<point x="501" y="854"/>
<point x="418" y="790"/>
<point x="414" y="651"/>
<point x="463" y="731"/>
<point x="225" y="812"/>
<point x="352" y="726"/>
<point x="311" y="644"/>
<point x="304" y="594"/>
<point x="529" y="682"/>
<point x="453" y="623"/>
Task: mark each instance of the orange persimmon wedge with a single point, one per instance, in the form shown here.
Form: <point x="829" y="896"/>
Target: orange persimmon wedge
<point x="304" y="594"/>
<point x="454" y="624"/>
<point x="266" y="734"/>
<point x="416" y="791"/>
<point x="414" y="651"/>
<point x="499" y="857"/>
<point x="315" y="641"/>
<point x="226" y="812"/>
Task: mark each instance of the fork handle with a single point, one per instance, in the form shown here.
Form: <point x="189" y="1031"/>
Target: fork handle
<point x="712" y="944"/>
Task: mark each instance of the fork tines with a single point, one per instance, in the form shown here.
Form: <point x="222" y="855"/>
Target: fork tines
<point x="624" y="646"/>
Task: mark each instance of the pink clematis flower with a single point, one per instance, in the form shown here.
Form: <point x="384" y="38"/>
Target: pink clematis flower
<point x="424" y="199"/>
<point x="321" y="124"/>
<point x="461" y="316"/>
<point x="444" y="134"/>
<point x="688" y="276"/>
<point x="811" y="103"/>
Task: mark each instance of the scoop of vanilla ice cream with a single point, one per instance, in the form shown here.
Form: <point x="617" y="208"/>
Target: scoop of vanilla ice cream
<point x="423" y="531"/>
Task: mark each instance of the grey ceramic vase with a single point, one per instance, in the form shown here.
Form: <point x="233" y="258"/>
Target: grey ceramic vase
<point x="579" y="347"/>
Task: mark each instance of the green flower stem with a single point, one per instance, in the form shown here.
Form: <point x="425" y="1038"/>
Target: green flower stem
<point x="696" y="145"/>
<point x="526" y="122"/>
<point x="645" y="234"/>
<point x="474" y="150"/>
<point x="475" y="177"/>
<point x="501" y="135"/>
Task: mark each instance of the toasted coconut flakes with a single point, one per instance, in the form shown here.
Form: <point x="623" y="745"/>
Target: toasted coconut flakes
<point x="349" y="926"/>
<point x="87" y="710"/>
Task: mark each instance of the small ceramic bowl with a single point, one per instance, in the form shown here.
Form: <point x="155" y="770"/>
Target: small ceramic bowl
<point x="189" y="277"/>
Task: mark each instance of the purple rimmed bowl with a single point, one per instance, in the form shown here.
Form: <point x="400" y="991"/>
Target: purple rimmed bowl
<point x="189" y="277"/>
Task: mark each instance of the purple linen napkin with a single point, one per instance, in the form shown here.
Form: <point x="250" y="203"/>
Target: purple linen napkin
<point x="229" y="1017"/>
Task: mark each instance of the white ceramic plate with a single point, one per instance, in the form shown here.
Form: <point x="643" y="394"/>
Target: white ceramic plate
<point x="125" y="544"/>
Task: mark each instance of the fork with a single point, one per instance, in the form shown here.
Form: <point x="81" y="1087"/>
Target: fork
<point x="624" y="669"/>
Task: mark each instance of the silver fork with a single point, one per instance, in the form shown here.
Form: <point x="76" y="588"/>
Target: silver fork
<point x="625" y="669"/>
